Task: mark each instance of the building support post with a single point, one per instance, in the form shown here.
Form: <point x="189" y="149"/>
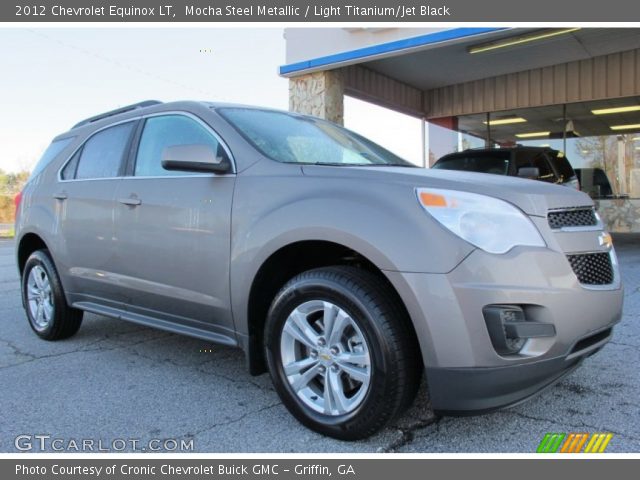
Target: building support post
<point x="423" y="141"/>
<point x="320" y="94"/>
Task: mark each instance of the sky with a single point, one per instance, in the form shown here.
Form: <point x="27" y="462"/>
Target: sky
<point x="54" y="77"/>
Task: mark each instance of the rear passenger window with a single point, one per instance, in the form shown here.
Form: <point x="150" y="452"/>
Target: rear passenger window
<point x="546" y="173"/>
<point x="538" y="160"/>
<point x="563" y="166"/>
<point x="69" y="170"/>
<point x="170" y="130"/>
<point x="102" y="154"/>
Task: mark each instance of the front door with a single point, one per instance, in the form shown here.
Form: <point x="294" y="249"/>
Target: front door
<point x="173" y="231"/>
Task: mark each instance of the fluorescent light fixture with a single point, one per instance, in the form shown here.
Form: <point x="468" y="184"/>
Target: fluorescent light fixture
<point x="505" y="121"/>
<point x="533" y="134"/>
<point x="518" y="40"/>
<point x="631" y="126"/>
<point x="544" y="145"/>
<point x="607" y="111"/>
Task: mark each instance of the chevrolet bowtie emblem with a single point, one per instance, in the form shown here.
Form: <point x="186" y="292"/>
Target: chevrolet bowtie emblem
<point x="605" y="240"/>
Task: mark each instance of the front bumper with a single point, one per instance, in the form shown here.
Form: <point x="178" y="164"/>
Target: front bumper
<point x="465" y="374"/>
<point x="470" y="391"/>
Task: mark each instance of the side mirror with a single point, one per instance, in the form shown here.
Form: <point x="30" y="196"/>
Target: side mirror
<point x="529" y="172"/>
<point x="195" y="158"/>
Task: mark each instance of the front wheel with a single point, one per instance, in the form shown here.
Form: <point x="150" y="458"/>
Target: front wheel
<point x="340" y="352"/>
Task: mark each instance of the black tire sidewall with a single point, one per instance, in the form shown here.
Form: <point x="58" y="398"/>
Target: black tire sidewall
<point x="41" y="258"/>
<point x="288" y="299"/>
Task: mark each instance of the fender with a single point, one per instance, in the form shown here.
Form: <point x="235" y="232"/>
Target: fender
<point x="346" y="220"/>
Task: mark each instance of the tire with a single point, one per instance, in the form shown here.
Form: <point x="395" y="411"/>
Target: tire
<point x="371" y="360"/>
<point x="44" y="301"/>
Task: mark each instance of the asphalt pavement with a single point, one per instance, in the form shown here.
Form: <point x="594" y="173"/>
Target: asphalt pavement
<point x="116" y="382"/>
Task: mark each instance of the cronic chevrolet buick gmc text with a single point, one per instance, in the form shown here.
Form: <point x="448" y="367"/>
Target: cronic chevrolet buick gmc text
<point x="332" y="263"/>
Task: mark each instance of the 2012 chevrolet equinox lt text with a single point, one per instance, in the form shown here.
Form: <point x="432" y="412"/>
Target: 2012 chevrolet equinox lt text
<point x="335" y="265"/>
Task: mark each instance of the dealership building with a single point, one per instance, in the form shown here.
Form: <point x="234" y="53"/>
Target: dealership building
<point x="576" y="90"/>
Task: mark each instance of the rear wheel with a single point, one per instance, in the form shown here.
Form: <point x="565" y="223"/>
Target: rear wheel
<point x="340" y="352"/>
<point x="43" y="297"/>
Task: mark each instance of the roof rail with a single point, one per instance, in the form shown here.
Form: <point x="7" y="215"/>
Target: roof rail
<point x="117" y="111"/>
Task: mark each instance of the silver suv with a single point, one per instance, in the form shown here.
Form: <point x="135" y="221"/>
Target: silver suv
<point x="332" y="263"/>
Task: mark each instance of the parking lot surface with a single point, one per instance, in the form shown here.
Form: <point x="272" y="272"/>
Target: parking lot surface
<point x="116" y="380"/>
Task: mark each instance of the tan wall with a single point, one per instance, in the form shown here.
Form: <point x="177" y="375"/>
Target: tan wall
<point x="607" y="76"/>
<point x="365" y="84"/>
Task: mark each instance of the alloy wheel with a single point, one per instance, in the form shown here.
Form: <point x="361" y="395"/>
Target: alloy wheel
<point x="325" y="358"/>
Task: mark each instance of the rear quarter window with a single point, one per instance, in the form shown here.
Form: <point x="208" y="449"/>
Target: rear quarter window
<point x="52" y="151"/>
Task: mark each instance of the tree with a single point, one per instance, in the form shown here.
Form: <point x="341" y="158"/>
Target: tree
<point x="10" y="185"/>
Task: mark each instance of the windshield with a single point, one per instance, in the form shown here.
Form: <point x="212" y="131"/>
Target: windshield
<point x="497" y="163"/>
<point x="298" y="139"/>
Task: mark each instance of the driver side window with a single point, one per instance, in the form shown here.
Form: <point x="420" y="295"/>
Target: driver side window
<point x="168" y="131"/>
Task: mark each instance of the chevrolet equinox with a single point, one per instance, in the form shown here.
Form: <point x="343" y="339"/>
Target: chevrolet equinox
<point x="342" y="270"/>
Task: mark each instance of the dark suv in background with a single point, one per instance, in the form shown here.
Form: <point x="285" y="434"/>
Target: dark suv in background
<point x="537" y="163"/>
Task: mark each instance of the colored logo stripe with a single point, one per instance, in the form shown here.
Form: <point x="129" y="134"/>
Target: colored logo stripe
<point x="598" y="442"/>
<point x="550" y="443"/>
<point x="574" y="442"/>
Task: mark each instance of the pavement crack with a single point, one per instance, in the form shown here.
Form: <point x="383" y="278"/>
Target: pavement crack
<point x="622" y="344"/>
<point x="407" y="434"/>
<point x="230" y="421"/>
<point x="35" y="358"/>
<point x="16" y="350"/>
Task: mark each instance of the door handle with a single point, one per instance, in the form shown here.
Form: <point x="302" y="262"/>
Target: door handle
<point x="132" y="202"/>
<point x="60" y="196"/>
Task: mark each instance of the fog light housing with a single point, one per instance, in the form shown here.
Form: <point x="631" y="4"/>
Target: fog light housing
<point x="509" y="329"/>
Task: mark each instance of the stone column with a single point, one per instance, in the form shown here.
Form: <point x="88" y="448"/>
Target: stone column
<point x="320" y="94"/>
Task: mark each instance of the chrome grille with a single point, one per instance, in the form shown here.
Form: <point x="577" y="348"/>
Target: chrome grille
<point x="592" y="268"/>
<point x="575" y="217"/>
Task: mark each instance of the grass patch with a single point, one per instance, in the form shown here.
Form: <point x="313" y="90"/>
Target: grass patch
<point x="10" y="233"/>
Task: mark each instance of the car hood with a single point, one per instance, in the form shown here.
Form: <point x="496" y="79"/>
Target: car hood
<point x="531" y="196"/>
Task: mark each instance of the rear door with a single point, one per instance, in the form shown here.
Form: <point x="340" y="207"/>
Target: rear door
<point x="173" y="230"/>
<point x="85" y="196"/>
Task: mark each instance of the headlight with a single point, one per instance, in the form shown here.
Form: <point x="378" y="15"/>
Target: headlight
<point x="493" y="225"/>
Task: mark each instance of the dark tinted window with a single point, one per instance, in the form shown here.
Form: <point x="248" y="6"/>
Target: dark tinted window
<point x="490" y="162"/>
<point x="594" y="181"/>
<point x="50" y="153"/>
<point x="162" y="132"/>
<point x="536" y="159"/>
<point x="564" y="168"/>
<point x="102" y="154"/>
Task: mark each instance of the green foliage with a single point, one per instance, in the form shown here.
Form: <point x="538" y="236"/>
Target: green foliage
<point x="10" y="185"/>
